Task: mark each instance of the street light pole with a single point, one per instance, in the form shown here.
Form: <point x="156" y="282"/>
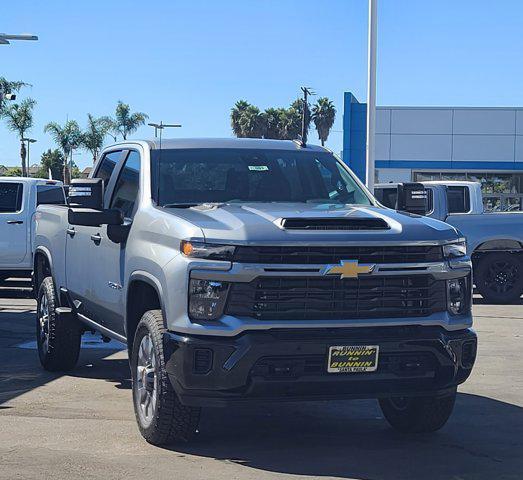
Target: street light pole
<point x="5" y="37"/>
<point x="29" y="141"/>
<point x="371" y="95"/>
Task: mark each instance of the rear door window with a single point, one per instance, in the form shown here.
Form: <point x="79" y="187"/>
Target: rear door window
<point x="50" y="195"/>
<point x="10" y="197"/>
<point x="458" y="199"/>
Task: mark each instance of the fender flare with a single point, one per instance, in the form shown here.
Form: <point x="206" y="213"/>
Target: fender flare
<point x="150" y="279"/>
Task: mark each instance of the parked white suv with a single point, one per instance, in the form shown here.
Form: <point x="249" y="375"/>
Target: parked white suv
<point x="19" y="198"/>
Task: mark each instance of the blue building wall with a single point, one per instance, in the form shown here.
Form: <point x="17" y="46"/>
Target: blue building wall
<point x="354" y="134"/>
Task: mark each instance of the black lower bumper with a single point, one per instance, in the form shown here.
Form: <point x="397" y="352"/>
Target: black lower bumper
<point x="289" y="365"/>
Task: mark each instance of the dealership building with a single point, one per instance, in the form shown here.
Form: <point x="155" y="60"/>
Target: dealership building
<point x="482" y="144"/>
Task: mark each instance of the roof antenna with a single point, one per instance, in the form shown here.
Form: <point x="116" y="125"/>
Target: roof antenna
<point x="160" y="126"/>
<point x="305" y="115"/>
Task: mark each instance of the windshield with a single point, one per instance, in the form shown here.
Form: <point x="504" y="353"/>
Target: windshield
<point x="240" y="175"/>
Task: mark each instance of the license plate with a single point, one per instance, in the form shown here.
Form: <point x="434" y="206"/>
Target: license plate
<point x="353" y="358"/>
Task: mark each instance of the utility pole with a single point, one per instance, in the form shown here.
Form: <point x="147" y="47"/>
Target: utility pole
<point x="371" y="95"/>
<point x="305" y="115"/>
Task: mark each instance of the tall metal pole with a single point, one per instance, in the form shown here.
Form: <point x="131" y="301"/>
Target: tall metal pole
<point x="371" y="95"/>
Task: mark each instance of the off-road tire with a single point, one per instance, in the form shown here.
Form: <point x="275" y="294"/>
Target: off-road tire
<point x="171" y="421"/>
<point x="418" y="414"/>
<point x="483" y="273"/>
<point x="64" y="333"/>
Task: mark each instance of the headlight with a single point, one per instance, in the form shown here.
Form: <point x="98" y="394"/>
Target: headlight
<point x="207" y="250"/>
<point x="458" y="295"/>
<point x="207" y="299"/>
<point x="454" y="250"/>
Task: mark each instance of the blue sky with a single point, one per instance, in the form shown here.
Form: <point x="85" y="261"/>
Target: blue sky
<point x="189" y="61"/>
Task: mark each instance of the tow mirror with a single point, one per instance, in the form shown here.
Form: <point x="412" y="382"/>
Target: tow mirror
<point x="412" y="198"/>
<point x="94" y="218"/>
<point x="86" y="193"/>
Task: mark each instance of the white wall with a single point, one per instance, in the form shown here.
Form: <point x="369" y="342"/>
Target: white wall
<point x="449" y="134"/>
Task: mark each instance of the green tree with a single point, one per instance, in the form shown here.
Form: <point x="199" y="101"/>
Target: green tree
<point x="7" y="86"/>
<point x="19" y="118"/>
<point x="67" y="138"/>
<point x="125" y="123"/>
<point x="93" y="136"/>
<point x="14" y="172"/>
<point x="53" y="161"/>
<point x="323" y="116"/>
<point x="236" y="113"/>
<point x="297" y="106"/>
<point x="273" y="123"/>
<point x="253" y="123"/>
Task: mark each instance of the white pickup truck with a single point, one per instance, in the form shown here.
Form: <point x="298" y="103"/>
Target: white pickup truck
<point x="19" y="198"/>
<point x="494" y="240"/>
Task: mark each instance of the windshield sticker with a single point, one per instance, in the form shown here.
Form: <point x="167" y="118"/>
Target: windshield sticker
<point x="258" y="168"/>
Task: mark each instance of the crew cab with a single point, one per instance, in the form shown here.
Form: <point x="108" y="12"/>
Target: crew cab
<point x="253" y="271"/>
<point x="494" y="240"/>
<point x="19" y="197"/>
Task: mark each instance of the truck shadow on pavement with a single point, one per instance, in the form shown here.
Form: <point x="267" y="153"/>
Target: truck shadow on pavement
<point x="482" y="440"/>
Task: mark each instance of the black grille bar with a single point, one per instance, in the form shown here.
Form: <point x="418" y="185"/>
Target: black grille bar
<point x="333" y="298"/>
<point x="332" y="255"/>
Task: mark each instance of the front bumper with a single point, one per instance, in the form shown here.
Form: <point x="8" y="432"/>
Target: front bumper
<point x="291" y="365"/>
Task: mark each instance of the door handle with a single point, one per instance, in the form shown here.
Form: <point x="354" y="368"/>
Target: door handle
<point x="71" y="232"/>
<point x="96" y="239"/>
<point x="15" y="222"/>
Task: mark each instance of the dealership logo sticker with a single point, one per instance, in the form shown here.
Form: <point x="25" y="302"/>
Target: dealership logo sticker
<point x="349" y="269"/>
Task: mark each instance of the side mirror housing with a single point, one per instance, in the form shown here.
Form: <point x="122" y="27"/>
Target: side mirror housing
<point x="86" y="194"/>
<point x="412" y="198"/>
<point x="94" y="218"/>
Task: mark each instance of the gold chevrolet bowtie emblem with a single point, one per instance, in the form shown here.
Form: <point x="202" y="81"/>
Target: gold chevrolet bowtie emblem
<point x="348" y="269"/>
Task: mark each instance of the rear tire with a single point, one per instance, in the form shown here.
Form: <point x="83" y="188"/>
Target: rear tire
<point x="58" y="338"/>
<point x="499" y="277"/>
<point x="418" y="414"/>
<point x="161" y="418"/>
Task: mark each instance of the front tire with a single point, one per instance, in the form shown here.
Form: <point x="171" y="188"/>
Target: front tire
<point x="418" y="414"/>
<point x="161" y="418"/>
<point x="58" y="338"/>
<point x="499" y="277"/>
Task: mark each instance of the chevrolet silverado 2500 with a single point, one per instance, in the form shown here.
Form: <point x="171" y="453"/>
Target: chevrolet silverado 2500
<point x="19" y="198"/>
<point x="494" y="240"/>
<point x="244" y="270"/>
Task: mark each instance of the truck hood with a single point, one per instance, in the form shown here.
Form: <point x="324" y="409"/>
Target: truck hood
<point x="261" y="223"/>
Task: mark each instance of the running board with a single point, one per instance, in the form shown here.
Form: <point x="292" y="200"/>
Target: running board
<point x="102" y="330"/>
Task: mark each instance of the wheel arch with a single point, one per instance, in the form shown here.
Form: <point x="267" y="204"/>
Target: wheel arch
<point x="144" y="293"/>
<point x="42" y="267"/>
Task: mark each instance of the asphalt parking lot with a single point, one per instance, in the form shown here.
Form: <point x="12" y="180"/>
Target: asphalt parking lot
<point x="82" y="425"/>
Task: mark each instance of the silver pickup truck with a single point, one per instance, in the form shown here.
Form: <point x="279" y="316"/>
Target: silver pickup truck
<point x="494" y="240"/>
<point x="244" y="270"/>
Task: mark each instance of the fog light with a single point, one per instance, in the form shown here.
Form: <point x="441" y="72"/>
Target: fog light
<point x="207" y="299"/>
<point x="458" y="295"/>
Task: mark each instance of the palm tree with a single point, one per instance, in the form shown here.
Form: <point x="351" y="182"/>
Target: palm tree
<point x="297" y="106"/>
<point x="323" y="116"/>
<point x="236" y="113"/>
<point x="273" y="123"/>
<point x="7" y="86"/>
<point x="93" y="137"/>
<point x="125" y="122"/>
<point x="290" y="123"/>
<point x="19" y="118"/>
<point x="253" y="123"/>
<point x="67" y="138"/>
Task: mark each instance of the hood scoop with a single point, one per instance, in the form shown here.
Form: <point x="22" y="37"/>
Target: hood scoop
<point x="334" y="224"/>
